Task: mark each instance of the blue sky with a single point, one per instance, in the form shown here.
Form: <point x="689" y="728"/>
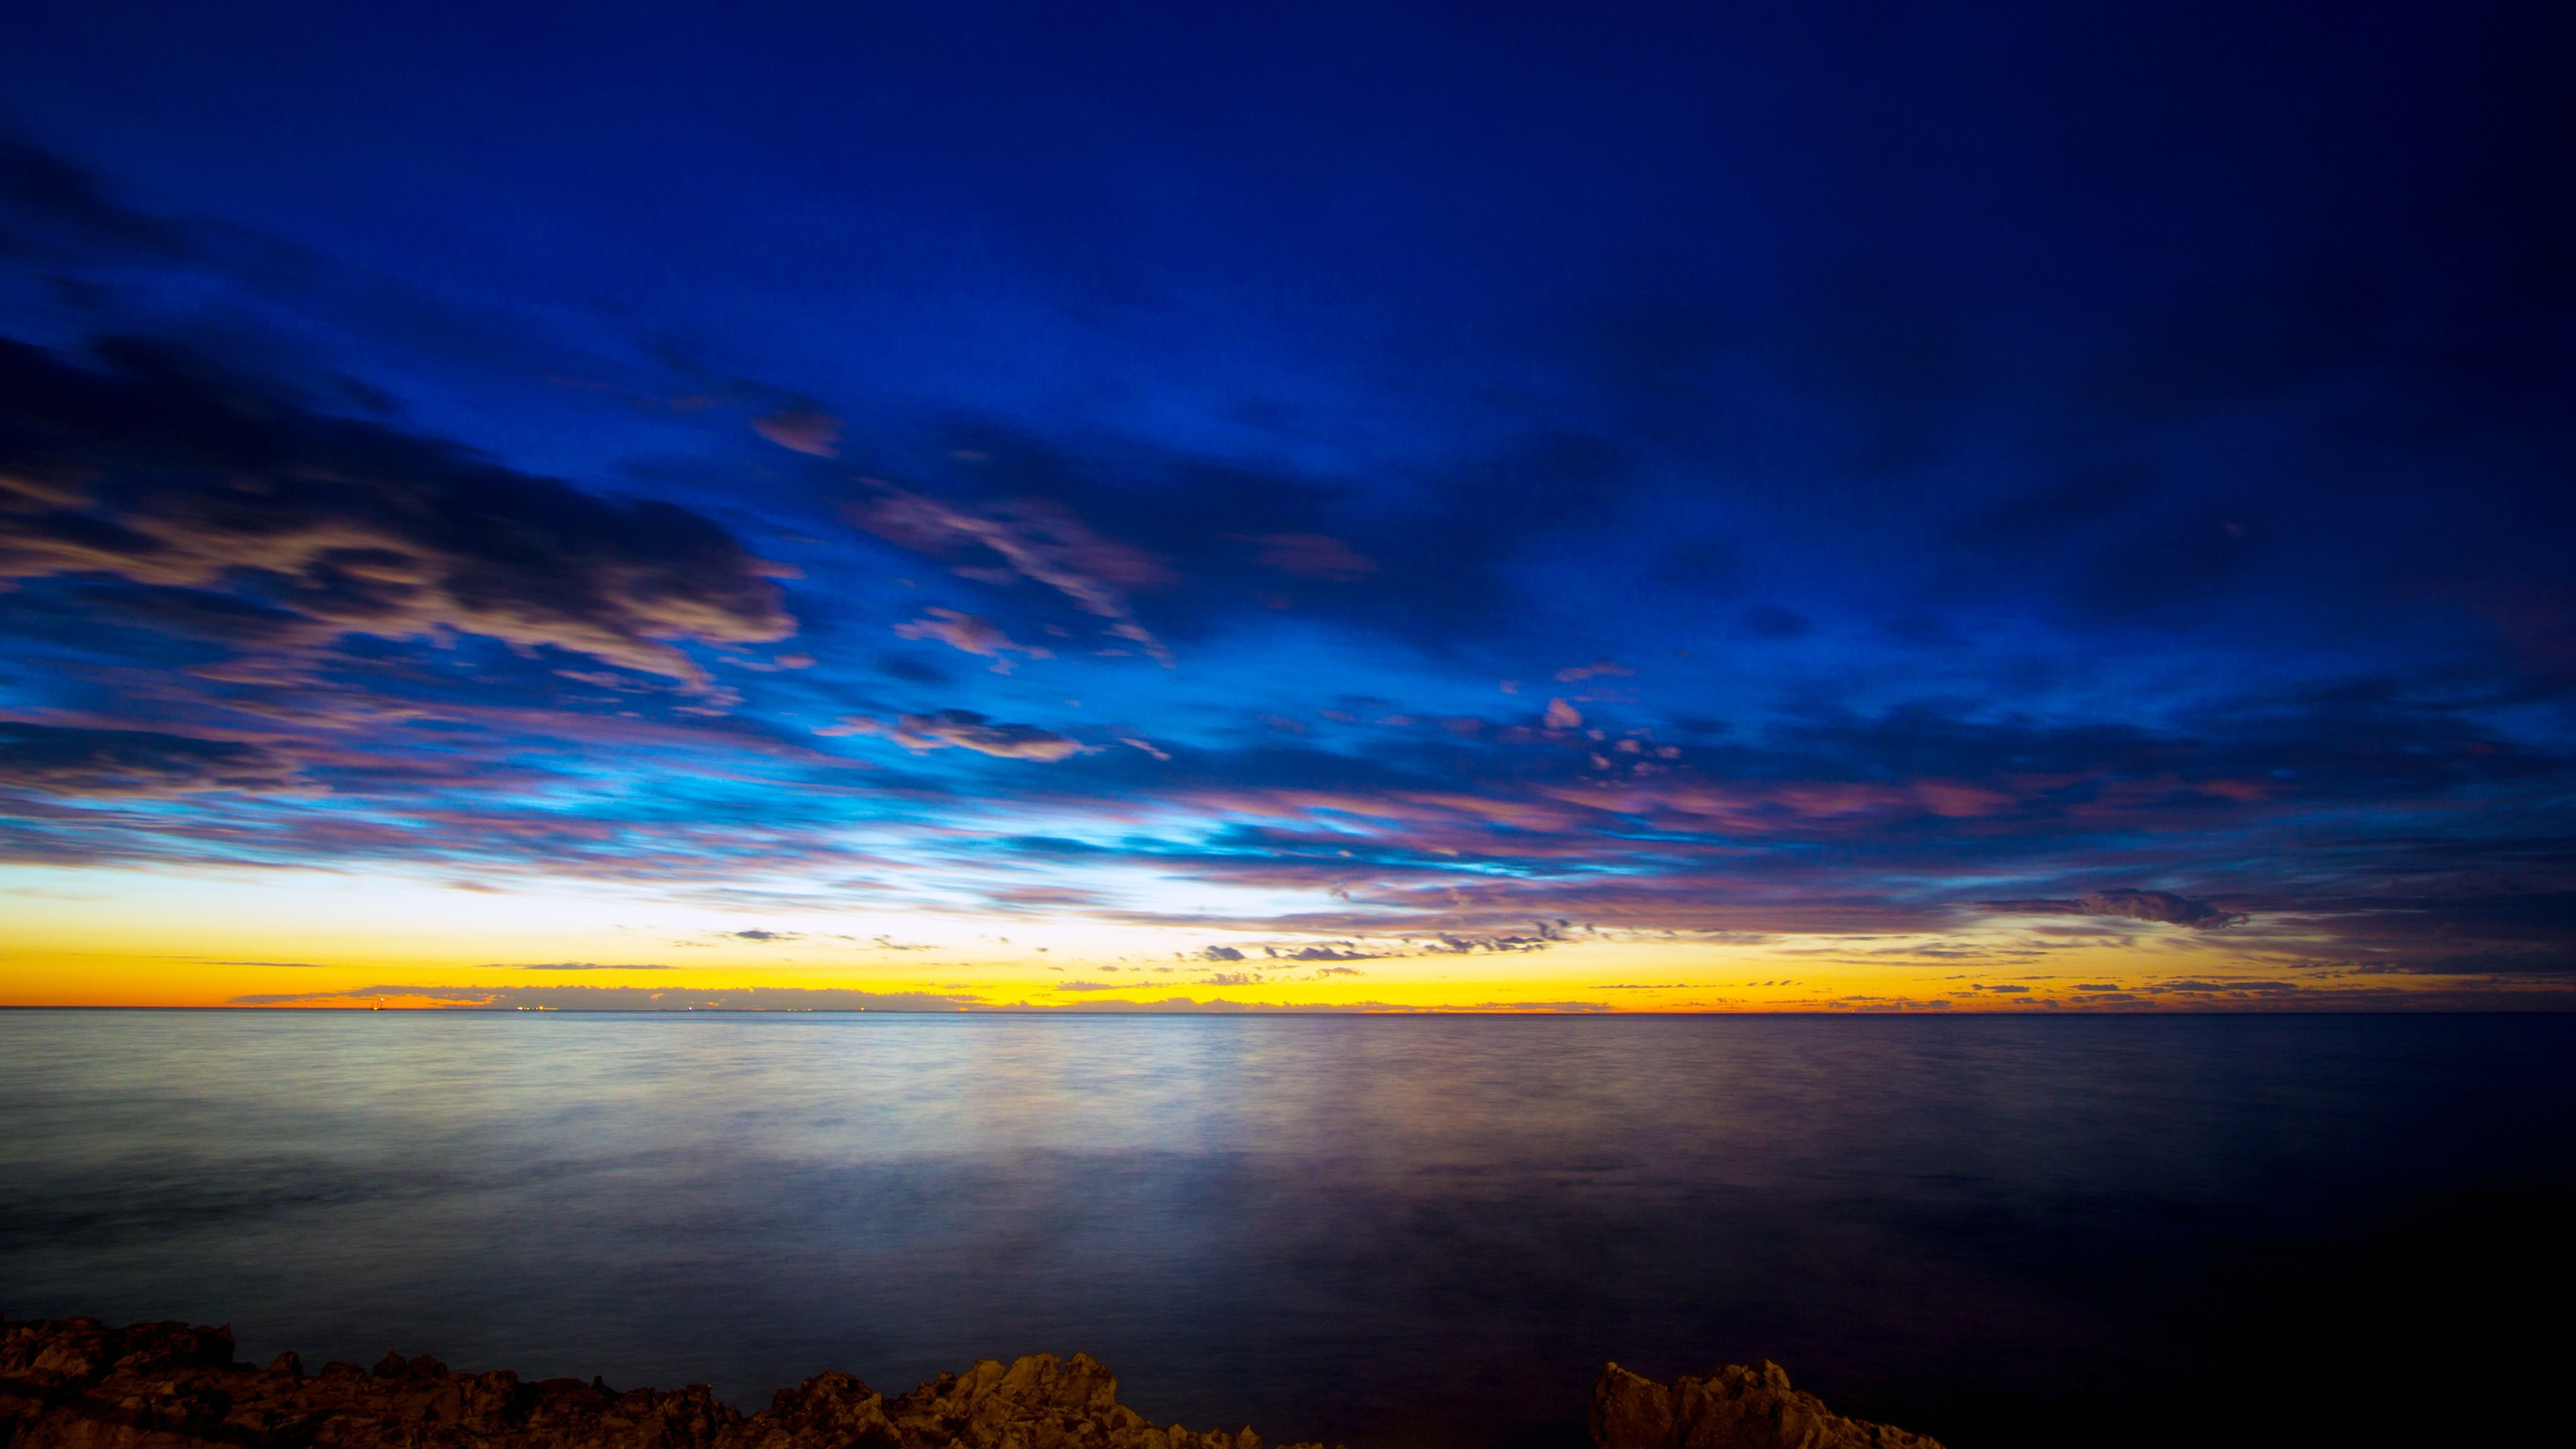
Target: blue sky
<point x="1356" y="478"/>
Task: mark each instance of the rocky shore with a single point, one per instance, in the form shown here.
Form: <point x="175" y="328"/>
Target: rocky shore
<point x="75" y="1383"/>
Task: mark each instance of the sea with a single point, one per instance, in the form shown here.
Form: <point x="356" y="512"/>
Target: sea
<point x="1372" y="1231"/>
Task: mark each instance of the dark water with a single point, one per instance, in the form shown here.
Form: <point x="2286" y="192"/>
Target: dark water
<point x="1382" y="1231"/>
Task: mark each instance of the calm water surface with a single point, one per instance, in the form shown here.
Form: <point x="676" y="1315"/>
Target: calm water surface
<point x="1383" y="1231"/>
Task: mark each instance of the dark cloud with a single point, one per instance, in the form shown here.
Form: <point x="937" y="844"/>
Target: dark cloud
<point x="625" y="998"/>
<point x="57" y="760"/>
<point x="218" y="618"/>
<point x="53" y="209"/>
<point x="2472" y="933"/>
<point x="2160" y="906"/>
<point x="154" y="468"/>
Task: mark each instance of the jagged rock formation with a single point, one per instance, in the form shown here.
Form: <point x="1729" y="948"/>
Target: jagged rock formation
<point x="73" y="1383"/>
<point x="1732" y="1408"/>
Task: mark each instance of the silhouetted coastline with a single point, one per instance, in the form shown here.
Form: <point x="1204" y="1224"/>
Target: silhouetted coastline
<point x="75" y="1383"/>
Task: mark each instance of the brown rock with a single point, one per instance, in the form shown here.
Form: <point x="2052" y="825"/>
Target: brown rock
<point x="1731" y="1408"/>
<point x="75" y="1383"/>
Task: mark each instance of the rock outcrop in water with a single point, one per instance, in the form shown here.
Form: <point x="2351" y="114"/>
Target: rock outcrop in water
<point x="74" y="1383"/>
<point x="1732" y="1408"/>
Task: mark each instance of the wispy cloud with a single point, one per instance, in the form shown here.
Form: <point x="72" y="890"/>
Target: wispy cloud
<point x="972" y="633"/>
<point x="625" y="998"/>
<point x="801" y="427"/>
<point x="964" y="729"/>
<point x="154" y="468"/>
<point x="1314" y="556"/>
<point x="1026" y="538"/>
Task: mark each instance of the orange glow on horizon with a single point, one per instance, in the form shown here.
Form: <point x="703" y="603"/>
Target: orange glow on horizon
<point x="138" y="939"/>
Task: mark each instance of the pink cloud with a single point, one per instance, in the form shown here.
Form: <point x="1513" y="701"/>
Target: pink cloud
<point x="1587" y="671"/>
<point x="964" y="729"/>
<point x="1037" y="540"/>
<point x="1314" y="556"/>
<point x="972" y="633"/>
<point x="802" y="428"/>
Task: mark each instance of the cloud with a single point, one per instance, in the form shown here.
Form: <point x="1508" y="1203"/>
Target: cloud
<point x="1221" y="953"/>
<point x="51" y="208"/>
<point x="1563" y="716"/>
<point x="1030" y="538"/>
<point x="761" y="935"/>
<point x="1581" y="672"/>
<point x="1314" y="556"/>
<point x="2159" y="906"/>
<point x="576" y="966"/>
<point x="87" y="761"/>
<point x="972" y="633"/>
<point x="803" y="428"/>
<point x="965" y="729"/>
<point x="2526" y="933"/>
<point x="155" y="470"/>
<point x="628" y="998"/>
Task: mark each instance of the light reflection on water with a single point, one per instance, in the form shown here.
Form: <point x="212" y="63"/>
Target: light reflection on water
<point x="1378" y="1230"/>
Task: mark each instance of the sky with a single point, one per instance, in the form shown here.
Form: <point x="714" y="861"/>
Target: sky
<point x="1368" y="507"/>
